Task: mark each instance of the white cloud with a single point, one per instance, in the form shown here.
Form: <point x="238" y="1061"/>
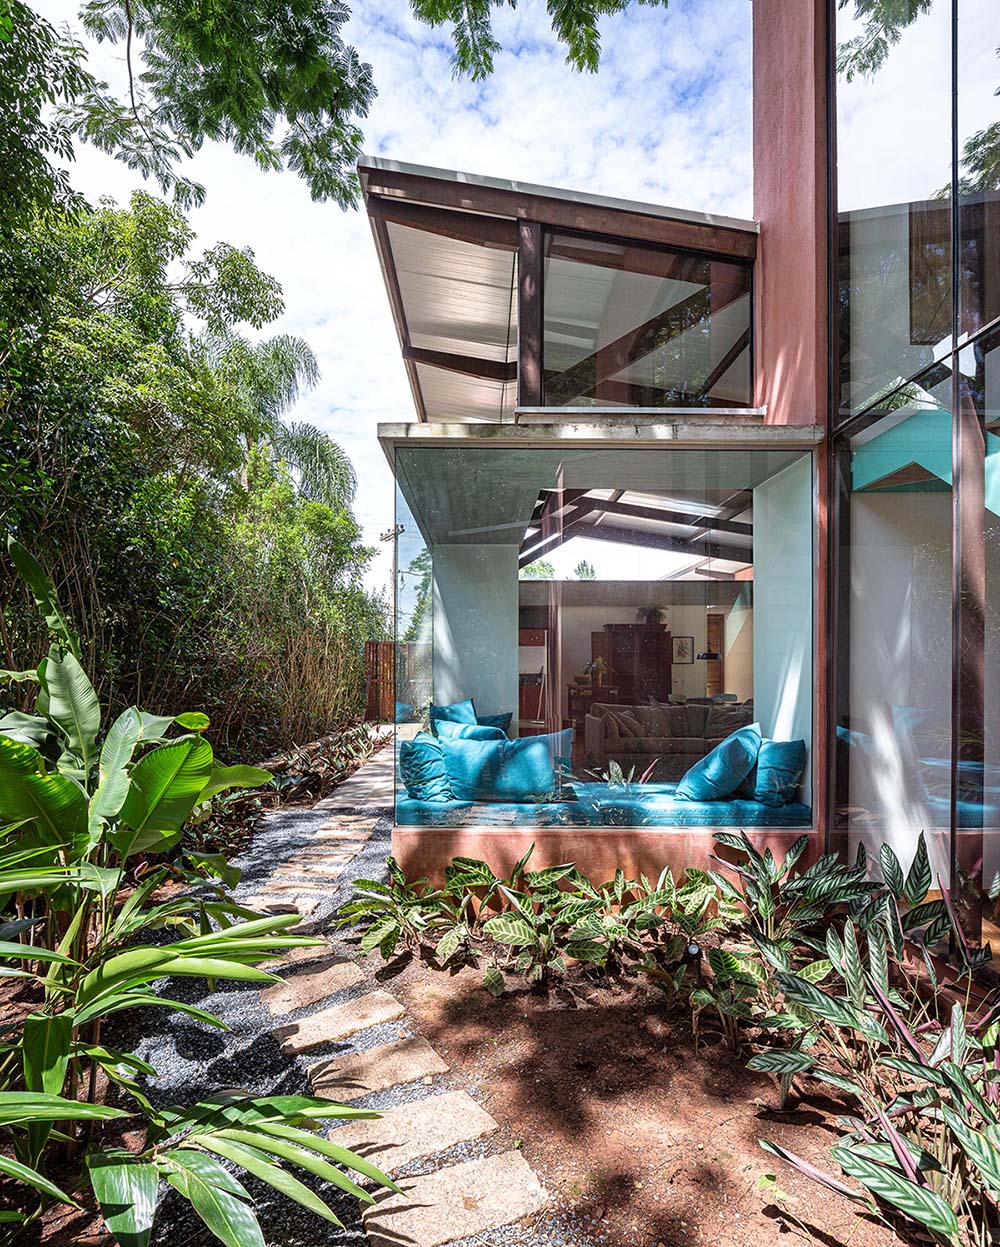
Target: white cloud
<point x="667" y="119"/>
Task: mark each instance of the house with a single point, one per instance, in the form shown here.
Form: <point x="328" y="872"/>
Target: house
<point x="675" y="479"/>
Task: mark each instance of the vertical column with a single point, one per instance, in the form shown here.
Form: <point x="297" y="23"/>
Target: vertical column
<point x="530" y="263"/>
<point x="790" y="143"/>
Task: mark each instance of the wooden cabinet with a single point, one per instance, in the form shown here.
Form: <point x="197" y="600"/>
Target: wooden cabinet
<point x="637" y="661"/>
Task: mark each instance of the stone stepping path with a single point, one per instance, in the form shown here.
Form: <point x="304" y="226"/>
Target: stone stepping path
<point x="421" y="1128"/>
<point x="309" y="987"/>
<point x="338" y="1022"/>
<point x="349" y="1078"/>
<point x="457" y="1202"/>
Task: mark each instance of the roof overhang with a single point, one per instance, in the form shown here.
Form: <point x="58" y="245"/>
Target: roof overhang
<point x="448" y="243"/>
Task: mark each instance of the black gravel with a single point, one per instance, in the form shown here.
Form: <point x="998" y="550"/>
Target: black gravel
<point x="195" y="1060"/>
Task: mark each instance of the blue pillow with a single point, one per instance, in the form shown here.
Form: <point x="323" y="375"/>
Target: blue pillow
<point x="779" y="768"/>
<point x="422" y="769"/>
<point x="404" y="710"/>
<point x="447" y="730"/>
<point x="720" y="773"/>
<point x="517" y="771"/>
<point x="457" y="712"/>
<point x="501" y="721"/>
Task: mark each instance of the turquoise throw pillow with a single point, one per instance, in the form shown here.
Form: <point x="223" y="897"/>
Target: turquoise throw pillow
<point x="501" y="721"/>
<point x="780" y="764"/>
<point x="721" y="772"/>
<point x="422" y="769"/>
<point x="446" y="730"/>
<point x="457" y="712"/>
<point x="519" y="771"/>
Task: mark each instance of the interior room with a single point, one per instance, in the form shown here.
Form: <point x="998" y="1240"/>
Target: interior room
<point x="640" y="607"/>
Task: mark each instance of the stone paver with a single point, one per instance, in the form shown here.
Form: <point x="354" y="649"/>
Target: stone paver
<point x="294" y="955"/>
<point x="309" y="987"/>
<point x="457" y="1202"/>
<point x="289" y="902"/>
<point x="349" y="1078"/>
<point x="338" y="1022"/>
<point x="418" y="1129"/>
<point x="309" y="869"/>
<point x="295" y="890"/>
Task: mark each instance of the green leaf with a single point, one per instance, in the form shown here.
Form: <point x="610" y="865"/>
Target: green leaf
<point x="25" y="1173"/>
<point x="892" y="872"/>
<point x="854" y="975"/>
<point x="73" y="706"/>
<point x="297" y="1154"/>
<point x="781" y="1061"/>
<point x="817" y="1002"/>
<point x="922" y="1204"/>
<point x="815" y="971"/>
<point x="44" y="593"/>
<point x="19" y="1108"/>
<point x="193" y="721"/>
<point x="333" y="1151"/>
<point x="493" y="980"/>
<point x="28" y="793"/>
<point x="510" y="929"/>
<point x="724" y="963"/>
<point x="216" y="1196"/>
<point x="918" y="877"/>
<point x="223" y="777"/>
<point x="165" y="786"/>
<point x="126" y="1191"/>
<point x="452" y="940"/>
<point x="977" y="1147"/>
<point x="45" y="1051"/>
<point x="262" y="1166"/>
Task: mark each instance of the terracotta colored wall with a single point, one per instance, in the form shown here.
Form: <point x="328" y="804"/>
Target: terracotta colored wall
<point x="790" y="201"/>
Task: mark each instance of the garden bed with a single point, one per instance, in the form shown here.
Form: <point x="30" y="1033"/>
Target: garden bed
<point x="639" y="1138"/>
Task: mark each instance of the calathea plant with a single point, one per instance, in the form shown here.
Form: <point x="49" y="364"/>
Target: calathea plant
<point x="79" y="804"/>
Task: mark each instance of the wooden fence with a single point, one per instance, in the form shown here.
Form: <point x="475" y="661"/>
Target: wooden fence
<point x="380" y="681"/>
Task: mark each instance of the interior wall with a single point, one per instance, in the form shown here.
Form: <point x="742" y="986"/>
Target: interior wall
<point x="475" y="626"/>
<point x="738" y="646"/>
<point x="783" y="608"/>
<point x="900" y="655"/>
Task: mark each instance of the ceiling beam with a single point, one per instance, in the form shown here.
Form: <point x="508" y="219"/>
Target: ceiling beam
<point x="655" y="541"/>
<point x="484" y="231"/>
<point x="466" y="365"/>
<point x="635" y="511"/>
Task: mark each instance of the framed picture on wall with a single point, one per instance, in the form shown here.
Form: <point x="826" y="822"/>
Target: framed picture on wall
<point x="683" y="649"/>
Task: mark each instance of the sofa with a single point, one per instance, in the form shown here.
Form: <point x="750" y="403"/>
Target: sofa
<point x="669" y="737"/>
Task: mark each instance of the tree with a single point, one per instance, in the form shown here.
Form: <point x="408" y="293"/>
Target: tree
<point x="585" y="571"/>
<point x="541" y="569"/>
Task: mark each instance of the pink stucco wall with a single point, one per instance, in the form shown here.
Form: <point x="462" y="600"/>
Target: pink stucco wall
<point x="790" y="201"/>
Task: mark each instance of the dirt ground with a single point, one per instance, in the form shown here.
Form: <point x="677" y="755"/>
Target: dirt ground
<point x="647" y="1142"/>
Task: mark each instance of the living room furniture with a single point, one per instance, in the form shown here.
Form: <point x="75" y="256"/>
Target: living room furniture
<point x="637" y="660"/>
<point x="581" y="697"/>
<point x="672" y="737"/>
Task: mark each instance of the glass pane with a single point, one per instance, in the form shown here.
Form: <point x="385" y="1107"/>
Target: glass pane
<point x="979" y="164"/>
<point x="977" y="850"/>
<point x="894" y="266"/>
<point x="634" y="326"/>
<point x="414" y="624"/>
<point x="893" y="738"/>
<point x="626" y="612"/>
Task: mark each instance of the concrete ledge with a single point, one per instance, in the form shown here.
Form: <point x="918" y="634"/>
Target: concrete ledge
<point x="597" y="851"/>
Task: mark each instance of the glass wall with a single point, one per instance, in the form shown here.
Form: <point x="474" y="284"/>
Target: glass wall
<point x="893" y="738"/>
<point x="916" y="395"/>
<point x="637" y="326"/>
<point x="611" y="617"/>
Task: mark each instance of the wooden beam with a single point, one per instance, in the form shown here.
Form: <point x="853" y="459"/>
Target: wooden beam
<point x="466" y="365"/>
<point x="639" y="537"/>
<point x="729" y="242"/>
<point x="484" y="231"/>
<point x="530" y="263"/>
<point x="633" y="510"/>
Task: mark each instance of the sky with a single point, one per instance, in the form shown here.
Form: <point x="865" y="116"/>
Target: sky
<point x="666" y="120"/>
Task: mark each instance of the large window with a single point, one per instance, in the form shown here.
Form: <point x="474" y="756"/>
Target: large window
<point x="630" y="325"/>
<point x="626" y="610"/>
<point x="917" y="296"/>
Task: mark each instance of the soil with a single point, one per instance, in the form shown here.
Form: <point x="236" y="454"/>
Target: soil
<point x="642" y="1140"/>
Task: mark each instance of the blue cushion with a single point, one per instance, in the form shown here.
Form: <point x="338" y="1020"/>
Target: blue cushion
<point x="448" y="730"/>
<point x="457" y="712"/>
<point x="520" y="771"/>
<point x="722" y="771"/>
<point x="779" y="768"/>
<point x="501" y="721"/>
<point x="404" y="710"/>
<point x="422" y="769"/>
